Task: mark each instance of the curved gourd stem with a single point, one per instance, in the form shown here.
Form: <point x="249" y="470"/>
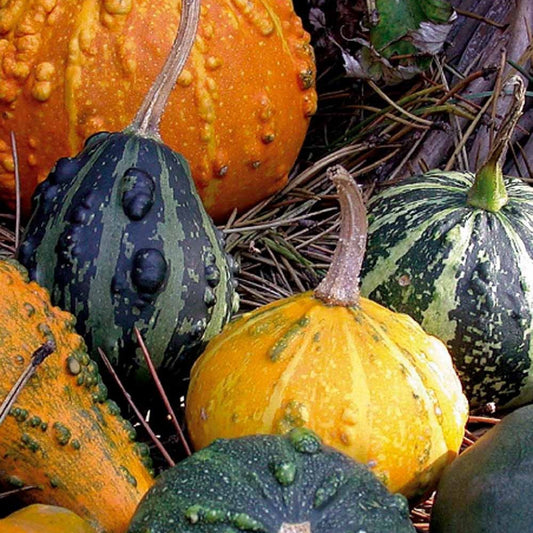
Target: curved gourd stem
<point x="488" y="191"/>
<point x="37" y="358"/>
<point x="304" y="527"/>
<point x="341" y="284"/>
<point x="148" y="117"/>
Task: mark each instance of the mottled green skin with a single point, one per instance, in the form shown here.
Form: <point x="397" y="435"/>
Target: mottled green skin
<point x="257" y="483"/>
<point x="465" y="274"/>
<point x="489" y="488"/>
<point x="120" y="238"/>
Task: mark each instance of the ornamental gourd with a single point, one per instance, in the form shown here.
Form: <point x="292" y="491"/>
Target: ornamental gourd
<point x="120" y="238"/>
<point x="455" y="251"/>
<point x="489" y="488"/>
<point x="62" y="437"/>
<point x="368" y="381"/>
<point x="40" y="518"/>
<point x="270" y="484"/>
<point x="239" y="112"/>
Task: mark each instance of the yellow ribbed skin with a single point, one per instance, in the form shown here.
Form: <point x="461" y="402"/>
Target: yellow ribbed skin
<point x="40" y="518"/>
<point x="369" y="381"/>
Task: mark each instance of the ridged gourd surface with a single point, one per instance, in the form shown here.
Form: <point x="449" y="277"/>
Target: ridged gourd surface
<point x="369" y="381"/>
<point x="270" y="484"/>
<point x="63" y="436"/>
<point x="121" y="240"/>
<point x="465" y="274"/>
<point x="239" y="112"/>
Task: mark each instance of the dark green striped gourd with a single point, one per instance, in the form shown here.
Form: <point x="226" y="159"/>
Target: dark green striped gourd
<point x="120" y="238"/>
<point x="270" y="484"/>
<point x="455" y="251"/>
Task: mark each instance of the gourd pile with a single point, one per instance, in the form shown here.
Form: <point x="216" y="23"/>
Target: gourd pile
<point x="331" y="410"/>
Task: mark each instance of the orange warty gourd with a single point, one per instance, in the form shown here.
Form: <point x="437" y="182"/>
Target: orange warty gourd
<point x="40" y="518"/>
<point x="62" y="435"/>
<point x="239" y="112"/>
<point x="368" y="381"/>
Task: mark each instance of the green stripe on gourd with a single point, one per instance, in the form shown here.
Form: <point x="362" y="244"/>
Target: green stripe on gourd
<point x="464" y="272"/>
<point x="121" y="239"/>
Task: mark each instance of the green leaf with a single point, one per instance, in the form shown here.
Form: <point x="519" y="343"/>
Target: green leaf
<point x="398" y="20"/>
<point x="402" y="38"/>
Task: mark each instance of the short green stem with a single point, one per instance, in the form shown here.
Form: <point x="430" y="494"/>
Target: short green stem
<point x="488" y="191"/>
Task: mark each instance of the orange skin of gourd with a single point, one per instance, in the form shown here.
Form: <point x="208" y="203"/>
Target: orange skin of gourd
<point x="239" y="112"/>
<point x="369" y="381"/>
<point x="94" y="469"/>
<point x="39" y="518"/>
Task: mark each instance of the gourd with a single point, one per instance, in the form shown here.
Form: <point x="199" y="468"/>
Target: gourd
<point x="238" y="114"/>
<point x="272" y="484"/>
<point x="488" y="488"/>
<point x="121" y="239"/>
<point x="62" y="436"/>
<point x="455" y="251"/>
<point x="368" y="381"/>
<point x="40" y="518"/>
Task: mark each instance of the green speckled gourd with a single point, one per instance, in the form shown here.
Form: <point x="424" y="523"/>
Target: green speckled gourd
<point x="62" y="440"/>
<point x="455" y="251"/>
<point x="489" y="488"/>
<point x="121" y="239"/>
<point x="270" y="484"/>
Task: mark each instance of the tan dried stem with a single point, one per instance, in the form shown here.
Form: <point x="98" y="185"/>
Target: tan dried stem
<point x="517" y="88"/>
<point x="37" y="358"/>
<point x="341" y="283"/>
<point x="18" y="209"/>
<point x="135" y="409"/>
<point x="148" y="117"/>
<point x="304" y="527"/>
<point x="162" y="393"/>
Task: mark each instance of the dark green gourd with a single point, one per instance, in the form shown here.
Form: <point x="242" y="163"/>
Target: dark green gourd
<point x="455" y="251"/>
<point x="489" y="487"/>
<point x="288" y="483"/>
<point x="120" y="238"/>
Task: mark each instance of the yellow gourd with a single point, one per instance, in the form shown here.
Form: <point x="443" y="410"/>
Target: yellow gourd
<point x="368" y="381"/>
<point x="40" y="518"/>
